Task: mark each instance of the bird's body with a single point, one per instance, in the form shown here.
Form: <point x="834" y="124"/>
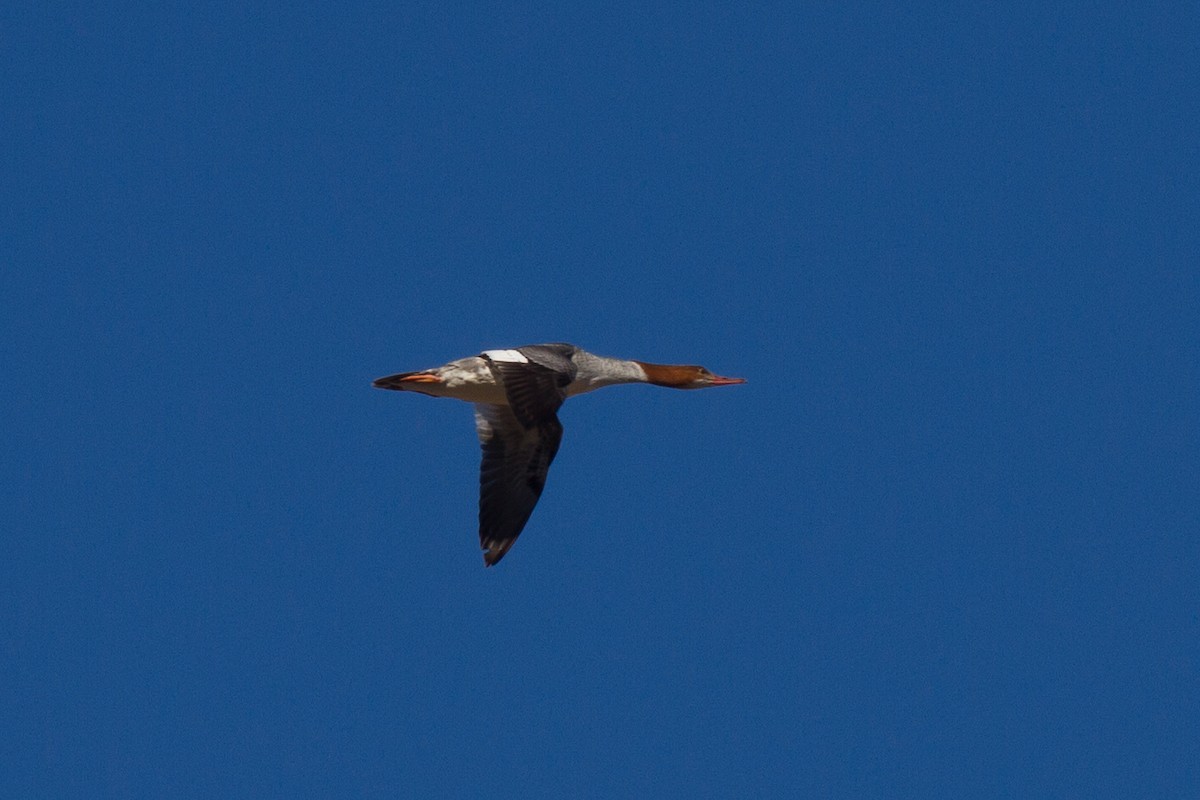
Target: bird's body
<point x="517" y="394"/>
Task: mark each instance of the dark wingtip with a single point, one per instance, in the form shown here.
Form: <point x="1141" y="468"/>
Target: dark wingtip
<point x="494" y="550"/>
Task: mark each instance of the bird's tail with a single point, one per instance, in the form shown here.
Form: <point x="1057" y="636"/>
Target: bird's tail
<point x="405" y="380"/>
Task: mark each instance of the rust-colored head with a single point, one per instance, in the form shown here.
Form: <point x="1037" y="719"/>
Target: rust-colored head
<point x="679" y="376"/>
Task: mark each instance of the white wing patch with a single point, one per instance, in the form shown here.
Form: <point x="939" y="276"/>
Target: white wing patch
<point x="506" y="355"/>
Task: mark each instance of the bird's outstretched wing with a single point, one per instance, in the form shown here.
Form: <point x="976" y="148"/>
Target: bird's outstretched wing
<point x="516" y="459"/>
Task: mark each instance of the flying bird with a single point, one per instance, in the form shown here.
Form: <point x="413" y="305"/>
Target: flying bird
<point x="516" y="395"/>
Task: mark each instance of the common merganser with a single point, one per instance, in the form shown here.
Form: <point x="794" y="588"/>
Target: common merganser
<point x="516" y="394"/>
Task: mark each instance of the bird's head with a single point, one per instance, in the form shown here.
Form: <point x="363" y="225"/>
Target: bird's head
<point x="684" y="376"/>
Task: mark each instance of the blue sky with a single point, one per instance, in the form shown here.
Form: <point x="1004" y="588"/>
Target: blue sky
<point x="942" y="544"/>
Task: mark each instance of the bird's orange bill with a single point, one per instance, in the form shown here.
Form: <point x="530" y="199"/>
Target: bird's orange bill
<point x="717" y="380"/>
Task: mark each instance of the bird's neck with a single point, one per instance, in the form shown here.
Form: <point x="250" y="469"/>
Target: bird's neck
<point x="594" y="372"/>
